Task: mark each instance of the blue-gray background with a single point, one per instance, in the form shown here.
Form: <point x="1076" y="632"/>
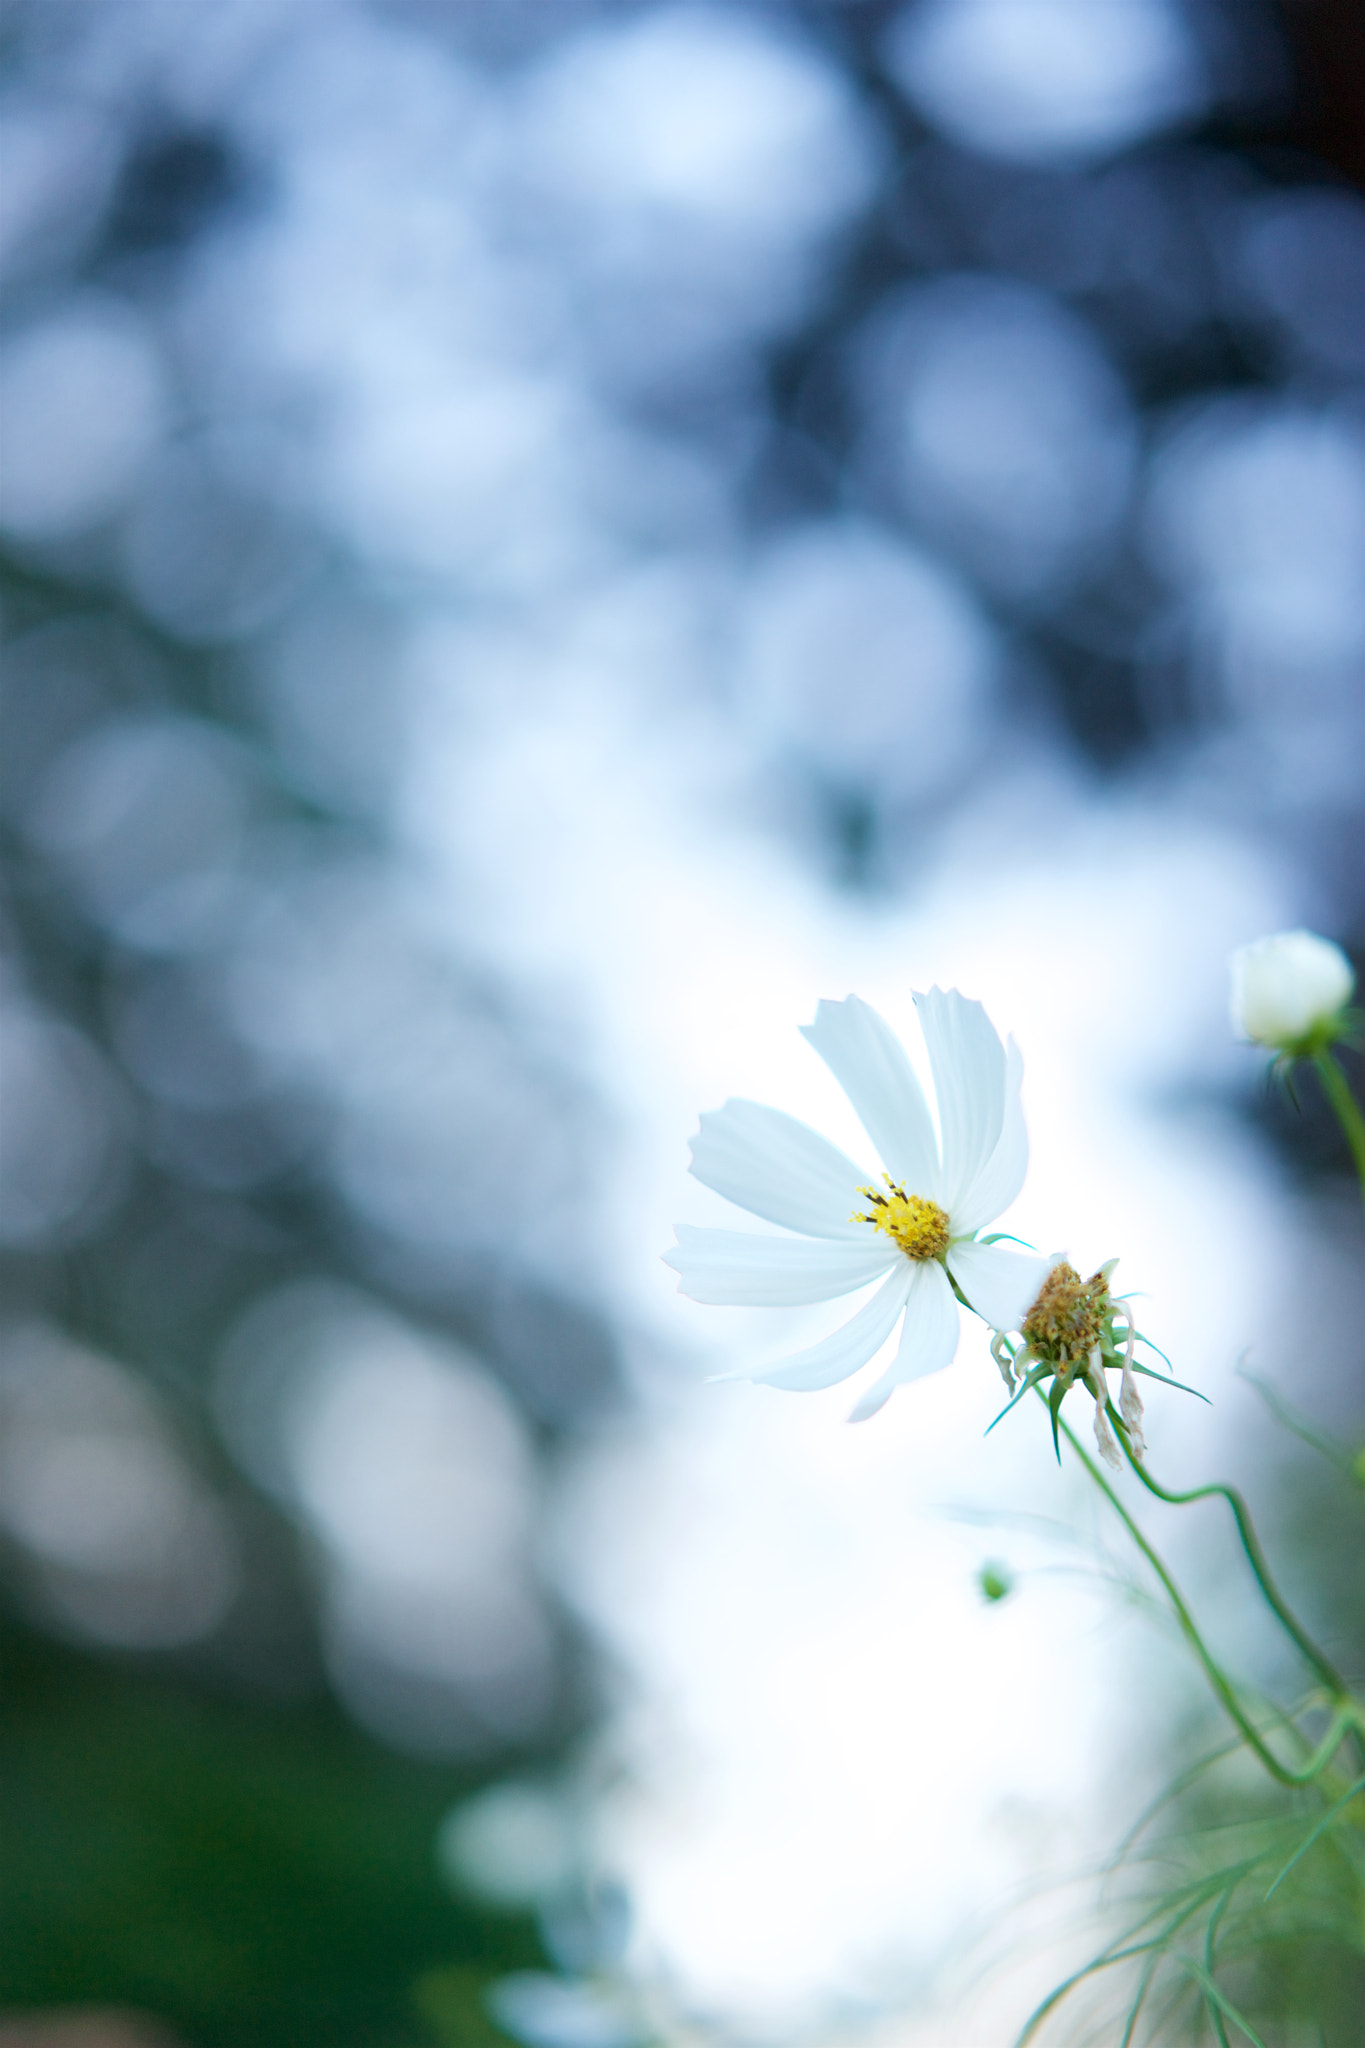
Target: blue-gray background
<point x="537" y="539"/>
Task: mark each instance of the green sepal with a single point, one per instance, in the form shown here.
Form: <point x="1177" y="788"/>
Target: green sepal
<point x="1282" y="1069"/>
<point x="1054" y="1407"/>
<point x="1026" y="1386"/>
<point x="1341" y="1028"/>
<point x="1167" y="1381"/>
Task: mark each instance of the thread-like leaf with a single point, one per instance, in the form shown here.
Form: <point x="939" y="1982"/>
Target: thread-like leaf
<point x="1315" y="1834"/>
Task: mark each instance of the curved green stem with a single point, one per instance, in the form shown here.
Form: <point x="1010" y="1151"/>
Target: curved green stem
<point x="1338" y="1092"/>
<point x="1255" y="1556"/>
<point x="1348" y="1714"/>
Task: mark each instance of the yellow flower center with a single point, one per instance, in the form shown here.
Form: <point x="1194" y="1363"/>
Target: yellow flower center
<point x="913" y="1222"/>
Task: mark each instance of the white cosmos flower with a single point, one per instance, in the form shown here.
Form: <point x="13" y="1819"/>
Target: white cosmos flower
<point x="843" y="1232"/>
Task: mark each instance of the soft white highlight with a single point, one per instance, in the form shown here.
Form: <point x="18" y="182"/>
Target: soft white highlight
<point x="1043" y="80"/>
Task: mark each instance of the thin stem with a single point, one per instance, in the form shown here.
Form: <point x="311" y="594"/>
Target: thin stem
<point x="1255" y="1556"/>
<point x="1135" y="2012"/>
<point x="1337" y="1806"/>
<point x="1124" y="1950"/>
<point x="1210" y="1945"/>
<point x="1348" y="1714"/>
<point x="1338" y="1092"/>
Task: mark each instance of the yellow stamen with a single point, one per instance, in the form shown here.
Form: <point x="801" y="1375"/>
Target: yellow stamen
<point x="913" y="1222"/>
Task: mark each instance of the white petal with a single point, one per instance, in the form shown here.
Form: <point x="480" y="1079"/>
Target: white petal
<point x="848" y="1349"/>
<point x="869" y="1062"/>
<point x="779" y="1169"/>
<point x="928" y="1340"/>
<point x="740" y="1268"/>
<point x="1000" y="1285"/>
<point x="969" y="1081"/>
<point x="1001" y="1178"/>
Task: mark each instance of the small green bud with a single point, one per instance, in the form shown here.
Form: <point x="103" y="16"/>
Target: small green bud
<point x="996" y="1581"/>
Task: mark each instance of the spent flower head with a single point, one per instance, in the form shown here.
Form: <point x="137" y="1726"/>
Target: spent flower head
<point x="1073" y="1333"/>
<point x="914" y="1231"/>
<point x="1290" y="991"/>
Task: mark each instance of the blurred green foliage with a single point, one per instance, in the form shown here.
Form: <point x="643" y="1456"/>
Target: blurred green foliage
<point x="257" y="1874"/>
<point x="1241" y="1904"/>
<point x="259" y="1879"/>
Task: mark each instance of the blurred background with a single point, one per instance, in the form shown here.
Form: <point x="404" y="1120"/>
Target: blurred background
<point x="539" y="538"/>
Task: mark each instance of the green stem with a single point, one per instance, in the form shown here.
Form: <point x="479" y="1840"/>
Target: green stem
<point x="1338" y="1092"/>
<point x="1347" y="1715"/>
<point x="1255" y="1556"/>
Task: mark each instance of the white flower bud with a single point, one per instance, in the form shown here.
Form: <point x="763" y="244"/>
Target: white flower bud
<point x="1287" y="990"/>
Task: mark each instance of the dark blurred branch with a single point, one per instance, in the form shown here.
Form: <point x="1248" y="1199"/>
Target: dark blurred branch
<point x="1327" y="40"/>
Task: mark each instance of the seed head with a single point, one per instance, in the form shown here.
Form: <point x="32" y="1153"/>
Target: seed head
<point x="1066" y="1322"/>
